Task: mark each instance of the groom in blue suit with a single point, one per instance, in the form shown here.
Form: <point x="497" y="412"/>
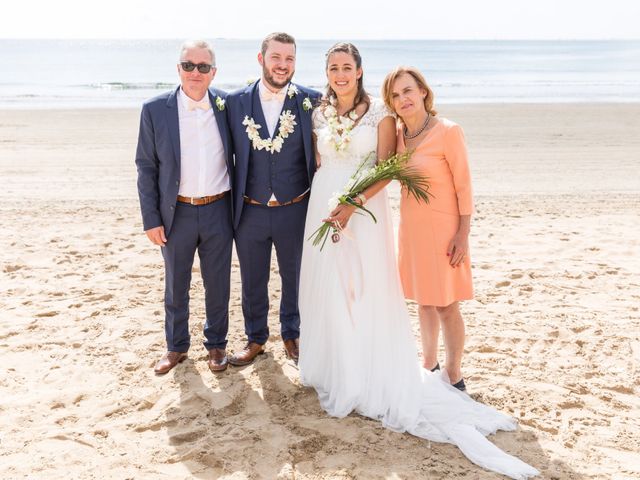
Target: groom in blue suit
<point x="185" y="172"/>
<point x="270" y="122"/>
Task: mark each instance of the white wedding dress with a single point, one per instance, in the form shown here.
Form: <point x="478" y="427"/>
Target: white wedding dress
<point x="356" y="345"/>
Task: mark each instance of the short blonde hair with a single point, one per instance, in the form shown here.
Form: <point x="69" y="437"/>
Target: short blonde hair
<point x="188" y="44"/>
<point x="387" y="87"/>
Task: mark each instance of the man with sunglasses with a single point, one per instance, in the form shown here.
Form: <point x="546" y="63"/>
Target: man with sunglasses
<point x="270" y="122"/>
<point x="185" y="172"/>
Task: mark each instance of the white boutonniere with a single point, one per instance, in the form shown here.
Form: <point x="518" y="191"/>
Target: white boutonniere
<point x="293" y="90"/>
<point x="220" y="102"/>
<point x="287" y="126"/>
<point x="306" y="104"/>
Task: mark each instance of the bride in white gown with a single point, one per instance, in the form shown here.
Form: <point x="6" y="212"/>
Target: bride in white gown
<point x="356" y="345"/>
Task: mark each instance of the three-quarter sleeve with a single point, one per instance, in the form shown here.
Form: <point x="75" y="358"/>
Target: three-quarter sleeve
<point x="455" y="151"/>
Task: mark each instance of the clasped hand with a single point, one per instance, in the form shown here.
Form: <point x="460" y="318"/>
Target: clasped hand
<point x="340" y="216"/>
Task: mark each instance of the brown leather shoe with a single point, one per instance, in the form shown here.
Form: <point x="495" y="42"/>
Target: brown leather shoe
<point x="292" y="348"/>
<point x="247" y="355"/>
<point x="168" y="361"/>
<point x="218" y="360"/>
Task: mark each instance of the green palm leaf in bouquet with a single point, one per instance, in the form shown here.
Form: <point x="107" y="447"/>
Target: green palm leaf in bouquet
<point x="393" y="168"/>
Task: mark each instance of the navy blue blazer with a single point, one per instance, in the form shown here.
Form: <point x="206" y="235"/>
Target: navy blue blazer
<point x="158" y="156"/>
<point x="238" y="106"/>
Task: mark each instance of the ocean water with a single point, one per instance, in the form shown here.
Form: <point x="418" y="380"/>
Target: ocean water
<point x="122" y="73"/>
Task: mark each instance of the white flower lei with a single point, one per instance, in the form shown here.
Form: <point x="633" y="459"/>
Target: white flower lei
<point x="287" y="124"/>
<point x="340" y="127"/>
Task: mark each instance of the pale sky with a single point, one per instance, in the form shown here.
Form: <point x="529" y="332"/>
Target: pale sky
<point x="323" y="19"/>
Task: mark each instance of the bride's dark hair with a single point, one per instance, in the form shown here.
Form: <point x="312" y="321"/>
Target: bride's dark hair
<point x="361" y="95"/>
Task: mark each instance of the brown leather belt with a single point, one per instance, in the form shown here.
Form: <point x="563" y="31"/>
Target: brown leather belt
<point x="275" y="203"/>
<point x="202" y="200"/>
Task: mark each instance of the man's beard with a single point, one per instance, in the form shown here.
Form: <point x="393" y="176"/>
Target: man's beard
<point x="272" y="81"/>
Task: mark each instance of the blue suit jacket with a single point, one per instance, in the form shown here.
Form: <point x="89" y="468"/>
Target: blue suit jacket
<point x="238" y="106"/>
<point x="158" y="156"/>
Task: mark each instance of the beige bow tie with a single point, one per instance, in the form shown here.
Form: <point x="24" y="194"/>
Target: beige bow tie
<point x="203" y="105"/>
<point x="267" y="95"/>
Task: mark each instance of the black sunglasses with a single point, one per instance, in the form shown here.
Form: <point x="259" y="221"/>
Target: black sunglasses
<point x="202" y="67"/>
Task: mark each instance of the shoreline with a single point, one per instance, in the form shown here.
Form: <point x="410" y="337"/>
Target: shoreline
<point x="456" y="103"/>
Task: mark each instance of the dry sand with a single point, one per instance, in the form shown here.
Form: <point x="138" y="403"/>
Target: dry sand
<point x="553" y="336"/>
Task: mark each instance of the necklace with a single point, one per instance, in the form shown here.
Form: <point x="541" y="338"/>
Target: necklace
<point x="410" y="137"/>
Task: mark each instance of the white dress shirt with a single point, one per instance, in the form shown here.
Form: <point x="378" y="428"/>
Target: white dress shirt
<point x="203" y="169"/>
<point x="272" y="108"/>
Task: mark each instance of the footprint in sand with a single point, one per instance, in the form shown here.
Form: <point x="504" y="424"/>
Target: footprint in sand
<point x="485" y="349"/>
<point x="12" y="268"/>
<point x="186" y="437"/>
<point x="621" y="389"/>
<point x="579" y="328"/>
<point x="101" y="298"/>
<point x="571" y="403"/>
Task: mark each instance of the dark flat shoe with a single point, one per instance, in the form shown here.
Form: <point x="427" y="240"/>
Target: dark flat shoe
<point x="460" y="385"/>
<point x="437" y="367"/>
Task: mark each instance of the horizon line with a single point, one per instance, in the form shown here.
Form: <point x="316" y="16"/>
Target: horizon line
<point x="609" y="39"/>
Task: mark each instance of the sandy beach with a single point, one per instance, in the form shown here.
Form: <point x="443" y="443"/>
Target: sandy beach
<point x="553" y="335"/>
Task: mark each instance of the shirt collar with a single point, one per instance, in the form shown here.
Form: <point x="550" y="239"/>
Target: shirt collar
<point x="262" y="85"/>
<point x="185" y="99"/>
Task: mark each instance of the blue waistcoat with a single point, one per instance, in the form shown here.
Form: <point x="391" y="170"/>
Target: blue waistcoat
<point x="282" y="173"/>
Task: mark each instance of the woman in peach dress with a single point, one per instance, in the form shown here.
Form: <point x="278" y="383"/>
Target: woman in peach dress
<point x="433" y="238"/>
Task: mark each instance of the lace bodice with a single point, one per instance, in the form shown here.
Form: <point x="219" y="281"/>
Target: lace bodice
<point x="363" y="138"/>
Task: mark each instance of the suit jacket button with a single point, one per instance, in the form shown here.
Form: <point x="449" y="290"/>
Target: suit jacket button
<point x="177" y="183"/>
<point x="172" y="207"/>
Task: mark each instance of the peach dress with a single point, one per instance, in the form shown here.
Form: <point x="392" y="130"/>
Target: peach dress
<point x="426" y="229"/>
